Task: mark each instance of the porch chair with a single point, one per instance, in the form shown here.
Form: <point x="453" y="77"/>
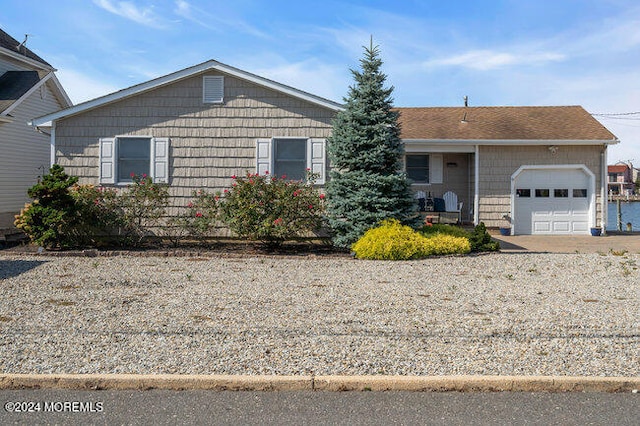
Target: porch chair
<point x="451" y="204"/>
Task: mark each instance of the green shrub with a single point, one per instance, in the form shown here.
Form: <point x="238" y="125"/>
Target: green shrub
<point x="100" y="217"/>
<point x="394" y="241"/>
<point x="270" y="209"/>
<point x="201" y="214"/>
<point x="441" y="244"/>
<point x="49" y="218"/>
<point x="143" y="204"/>
<point x="64" y="214"/>
<point x="438" y="228"/>
<point x="481" y="240"/>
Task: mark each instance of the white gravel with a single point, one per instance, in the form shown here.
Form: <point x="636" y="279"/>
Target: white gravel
<point x="498" y="314"/>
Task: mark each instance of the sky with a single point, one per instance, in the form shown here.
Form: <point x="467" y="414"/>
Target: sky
<point x="435" y="52"/>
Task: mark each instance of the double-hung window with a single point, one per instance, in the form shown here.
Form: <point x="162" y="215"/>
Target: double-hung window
<point x="417" y="167"/>
<point x="124" y="156"/>
<point x="291" y="157"/>
<point x="134" y="158"/>
<point x="424" y="168"/>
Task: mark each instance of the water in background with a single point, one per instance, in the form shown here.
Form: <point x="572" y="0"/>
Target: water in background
<point x="630" y="213"/>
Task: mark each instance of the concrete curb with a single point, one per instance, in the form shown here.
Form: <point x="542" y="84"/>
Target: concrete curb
<point x="320" y="383"/>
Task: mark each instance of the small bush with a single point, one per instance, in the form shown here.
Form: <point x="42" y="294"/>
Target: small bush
<point x="143" y="205"/>
<point x="441" y="244"/>
<point x="49" y="218"/>
<point x="394" y="241"/>
<point x="100" y="217"/>
<point x="481" y="240"/>
<point x="272" y="210"/>
<point x="438" y="228"/>
<point x="201" y="214"/>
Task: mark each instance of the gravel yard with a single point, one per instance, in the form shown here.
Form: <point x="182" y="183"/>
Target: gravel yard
<point x="498" y="314"/>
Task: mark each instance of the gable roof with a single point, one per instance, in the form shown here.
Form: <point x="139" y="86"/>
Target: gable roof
<point x="526" y="123"/>
<point x="14" y="48"/>
<point x="14" y="84"/>
<point x="617" y="169"/>
<point x="180" y="75"/>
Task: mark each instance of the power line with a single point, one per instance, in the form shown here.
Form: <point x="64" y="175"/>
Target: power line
<point x="616" y="114"/>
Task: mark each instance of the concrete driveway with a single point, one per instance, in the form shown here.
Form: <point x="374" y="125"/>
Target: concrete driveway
<point x="618" y="242"/>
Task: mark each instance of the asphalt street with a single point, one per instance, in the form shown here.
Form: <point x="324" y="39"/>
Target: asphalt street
<point x="300" y="408"/>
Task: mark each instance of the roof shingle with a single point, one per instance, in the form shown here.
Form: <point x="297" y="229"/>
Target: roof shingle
<point x="10" y="43"/>
<point x="14" y="84"/>
<point x="501" y="123"/>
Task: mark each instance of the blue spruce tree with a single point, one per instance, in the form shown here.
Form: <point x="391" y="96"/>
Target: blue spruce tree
<point x="366" y="182"/>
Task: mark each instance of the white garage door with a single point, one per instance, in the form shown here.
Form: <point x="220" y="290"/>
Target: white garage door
<point x="552" y="201"/>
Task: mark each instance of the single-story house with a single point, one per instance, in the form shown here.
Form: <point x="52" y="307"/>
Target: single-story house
<point x="28" y="88"/>
<point x="544" y="168"/>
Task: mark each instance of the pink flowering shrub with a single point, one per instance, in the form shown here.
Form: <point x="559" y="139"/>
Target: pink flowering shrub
<point x="272" y="210"/>
<point x="106" y="216"/>
<point x="200" y="215"/>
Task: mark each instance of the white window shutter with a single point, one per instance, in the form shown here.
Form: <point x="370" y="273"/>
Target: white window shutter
<point x="263" y="156"/>
<point x="213" y="89"/>
<point x="316" y="159"/>
<point x="435" y="168"/>
<point x="107" y="160"/>
<point x="160" y="160"/>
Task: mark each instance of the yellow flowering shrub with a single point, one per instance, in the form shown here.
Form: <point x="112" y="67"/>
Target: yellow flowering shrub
<point x="394" y="241"/>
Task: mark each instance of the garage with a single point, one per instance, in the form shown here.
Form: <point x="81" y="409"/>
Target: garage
<point x="552" y="200"/>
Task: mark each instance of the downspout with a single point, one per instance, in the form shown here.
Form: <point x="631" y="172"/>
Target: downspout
<point x="476" y="186"/>
<point x="603" y="190"/>
<point x="52" y="143"/>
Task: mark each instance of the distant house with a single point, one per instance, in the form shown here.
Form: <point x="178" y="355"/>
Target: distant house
<point x="28" y="88"/>
<point x="620" y="179"/>
<point x="543" y="168"/>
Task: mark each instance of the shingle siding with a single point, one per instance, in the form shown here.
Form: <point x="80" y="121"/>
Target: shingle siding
<point x="498" y="163"/>
<point x="209" y="142"/>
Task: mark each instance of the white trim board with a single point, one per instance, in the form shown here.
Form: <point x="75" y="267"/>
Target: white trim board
<point x="180" y="75"/>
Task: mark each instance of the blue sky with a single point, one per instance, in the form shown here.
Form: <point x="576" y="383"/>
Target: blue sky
<point x="498" y="52"/>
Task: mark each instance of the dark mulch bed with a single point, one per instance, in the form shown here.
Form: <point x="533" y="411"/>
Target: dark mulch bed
<point x="218" y="248"/>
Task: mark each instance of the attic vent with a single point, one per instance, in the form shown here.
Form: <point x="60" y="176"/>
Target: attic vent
<point x="213" y="89"/>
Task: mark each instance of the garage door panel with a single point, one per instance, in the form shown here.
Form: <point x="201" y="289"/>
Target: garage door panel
<point x="541" y="227"/>
<point x="561" y="206"/>
<point x="580" y="227"/>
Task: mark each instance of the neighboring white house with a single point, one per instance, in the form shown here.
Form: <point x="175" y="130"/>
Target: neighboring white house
<point x="28" y="89"/>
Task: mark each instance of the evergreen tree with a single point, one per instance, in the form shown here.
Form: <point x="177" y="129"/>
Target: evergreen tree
<point x="366" y="184"/>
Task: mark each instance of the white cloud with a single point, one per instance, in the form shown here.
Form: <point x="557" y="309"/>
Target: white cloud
<point x="484" y="60"/>
<point x="81" y="87"/>
<point x="219" y="22"/>
<point x="311" y="76"/>
<point x="128" y="10"/>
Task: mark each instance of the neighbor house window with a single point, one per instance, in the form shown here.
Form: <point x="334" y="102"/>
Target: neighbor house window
<point x="290" y="158"/>
<point x="417" y="168"/>
<point x="134" y="157"/>
<point x="124" y="156"/>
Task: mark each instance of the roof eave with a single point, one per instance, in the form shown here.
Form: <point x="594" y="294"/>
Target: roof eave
<point x="26" y="60"/>
<point x="180" y="75"/>
<point x="514" y="141"/>
<point x="28" y="93"/>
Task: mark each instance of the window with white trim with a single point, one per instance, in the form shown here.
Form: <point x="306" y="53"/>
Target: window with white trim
<point x="134" y="158"/>
<point x="424" y="168"/>
<point x="291" y="157"/>
<point x="124" y="156"/>
<point x="212" y="89"/>
<point x="417" y="167"/>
